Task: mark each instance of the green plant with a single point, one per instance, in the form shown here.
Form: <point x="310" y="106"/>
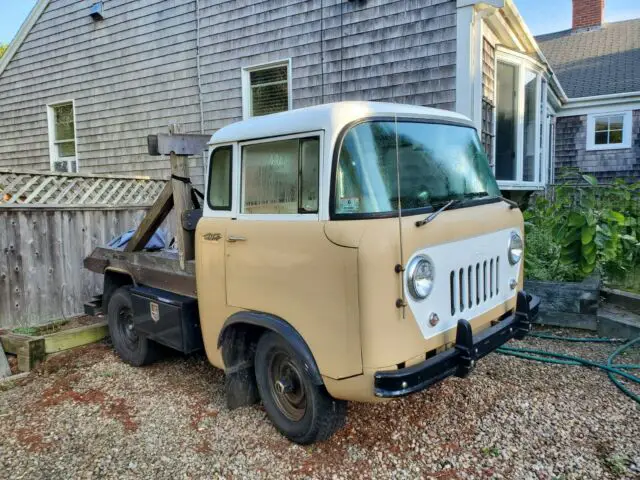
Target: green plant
<point x="581" y="227"/>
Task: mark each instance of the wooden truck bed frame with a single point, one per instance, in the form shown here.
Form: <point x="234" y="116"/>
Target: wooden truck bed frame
<point x="173" y="271"/>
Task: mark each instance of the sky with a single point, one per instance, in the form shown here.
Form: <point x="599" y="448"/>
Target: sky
<point x="542" y="16"/>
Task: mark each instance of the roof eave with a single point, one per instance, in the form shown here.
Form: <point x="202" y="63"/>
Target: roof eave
<point x="511" y="12"/>
<point x="24" y="30"/>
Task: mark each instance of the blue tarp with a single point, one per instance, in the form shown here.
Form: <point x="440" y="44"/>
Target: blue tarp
<point x="156" y="242"/>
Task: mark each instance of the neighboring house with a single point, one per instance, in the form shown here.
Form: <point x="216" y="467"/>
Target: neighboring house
<point x="85" y="82"/>
<point x="598" y="65"/>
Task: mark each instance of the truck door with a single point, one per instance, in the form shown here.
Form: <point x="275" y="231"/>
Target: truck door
<point x="278" y="259"/>
<point x="210" y="248"/>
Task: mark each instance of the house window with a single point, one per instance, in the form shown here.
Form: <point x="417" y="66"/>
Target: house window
<point x="281" y="177"/>
<point x="62" y="137"/>
<point x="519" y="126"/>
<point x="609" y="131"/>
<point x="266" y="89"/>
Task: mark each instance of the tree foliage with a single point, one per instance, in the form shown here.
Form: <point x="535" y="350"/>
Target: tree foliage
<point x="3" y="48"/>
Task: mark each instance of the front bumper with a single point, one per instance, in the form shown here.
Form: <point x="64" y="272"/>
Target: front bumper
<point x="461" y="359"/>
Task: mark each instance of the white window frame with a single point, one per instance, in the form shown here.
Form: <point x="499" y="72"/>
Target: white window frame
<point x="246" y="84"/>
<point x="522" y="64"/>
<point x="51" y="124"/>
<point x="238" y="194"/>
<point x="627" y="128"/>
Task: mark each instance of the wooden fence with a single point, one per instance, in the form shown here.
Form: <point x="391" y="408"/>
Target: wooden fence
<point x="43" y="244"/>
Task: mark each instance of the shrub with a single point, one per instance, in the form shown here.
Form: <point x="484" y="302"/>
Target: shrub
<point x="581" y="227"/>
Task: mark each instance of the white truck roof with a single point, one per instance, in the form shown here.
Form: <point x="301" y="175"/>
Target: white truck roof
<point x="330" y="117"/>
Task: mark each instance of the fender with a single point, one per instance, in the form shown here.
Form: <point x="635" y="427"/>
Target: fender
<point x="282" y="328"/>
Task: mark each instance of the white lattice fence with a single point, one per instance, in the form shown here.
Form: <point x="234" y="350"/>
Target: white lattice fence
<point x="31" y="187"/>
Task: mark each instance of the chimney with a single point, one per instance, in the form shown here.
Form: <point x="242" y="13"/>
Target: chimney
<point x="587" y="13"/>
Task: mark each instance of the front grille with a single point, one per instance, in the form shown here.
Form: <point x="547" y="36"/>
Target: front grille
<point x="473" y="285"/>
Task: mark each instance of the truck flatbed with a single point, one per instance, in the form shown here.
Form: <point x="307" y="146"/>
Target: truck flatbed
<point x="159" y="269"/>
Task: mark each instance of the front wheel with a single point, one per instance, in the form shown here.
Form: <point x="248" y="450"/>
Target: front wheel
<point x="132" y="348"/>
<point x="302" y="411"/>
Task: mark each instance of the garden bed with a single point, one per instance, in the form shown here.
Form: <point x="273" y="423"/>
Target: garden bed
<point x="28" y="346"/>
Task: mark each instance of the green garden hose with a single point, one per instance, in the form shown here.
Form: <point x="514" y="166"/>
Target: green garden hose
<point x="548" y="336"/>
<point x="613" y="370"/>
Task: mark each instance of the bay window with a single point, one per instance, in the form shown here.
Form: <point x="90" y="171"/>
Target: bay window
<point x="520" y="122"/>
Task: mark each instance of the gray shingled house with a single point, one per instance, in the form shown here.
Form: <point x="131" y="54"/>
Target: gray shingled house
<point x="598" y="66"/>
<point x="84" y="82"/>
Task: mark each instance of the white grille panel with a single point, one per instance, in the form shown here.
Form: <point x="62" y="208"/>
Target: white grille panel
<point x="474" y="284"/>
<point x="472" y="276"/>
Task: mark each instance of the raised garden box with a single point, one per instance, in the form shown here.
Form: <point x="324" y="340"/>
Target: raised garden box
<point x="32" y="345"/>
<point x="567" y="304"/>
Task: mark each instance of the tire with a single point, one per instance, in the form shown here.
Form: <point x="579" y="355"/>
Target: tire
<point x="302" y="411"/>
<point x="133" y="349"/>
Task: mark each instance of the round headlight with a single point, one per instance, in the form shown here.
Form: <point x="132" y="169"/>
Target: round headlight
<point x="516" y="247"/>
<point x="420" y="276"/>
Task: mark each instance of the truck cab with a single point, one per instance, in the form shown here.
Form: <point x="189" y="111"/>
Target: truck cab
<point x="355" y="251"/>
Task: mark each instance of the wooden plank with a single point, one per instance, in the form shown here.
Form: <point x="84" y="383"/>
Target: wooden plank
<point x="7" y="383"/>
<point x="182" y="202"/>
<point x="178" y="144"/>
<point x="153" y="219"/>
<point x="30" y="350"/>
<point x="75" y="337"/>
<point x="11" y="342"/>
<point x="30" y="354"/>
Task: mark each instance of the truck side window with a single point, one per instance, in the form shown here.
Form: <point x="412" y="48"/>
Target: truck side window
<point x="309" y="175"/>
<point x="281" y="177"/>
<point x="220" y="179"/>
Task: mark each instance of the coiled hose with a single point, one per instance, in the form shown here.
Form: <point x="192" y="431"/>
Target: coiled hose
<point x="614" y="371"/>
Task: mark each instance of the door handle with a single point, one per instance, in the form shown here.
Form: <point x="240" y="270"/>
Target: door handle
<point x="235" y="238"/>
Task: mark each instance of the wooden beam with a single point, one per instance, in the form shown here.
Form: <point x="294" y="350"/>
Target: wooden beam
<point x="152" y="220"/>
<point x="185" y="240"/>
<point x="180" y="144"/>
<point x="75" y="337"/>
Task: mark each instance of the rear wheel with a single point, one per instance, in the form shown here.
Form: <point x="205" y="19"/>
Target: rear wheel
<point x="302" y="411"/>
<point x="132" y="348"/>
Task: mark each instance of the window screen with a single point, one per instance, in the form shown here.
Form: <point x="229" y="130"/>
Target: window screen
<point x="281" y="177"/>
<point x="220" y="179"/>
<point x="269" y="90"/>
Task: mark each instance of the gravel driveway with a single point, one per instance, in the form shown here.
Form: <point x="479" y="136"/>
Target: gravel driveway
<point x="85" y="414"/>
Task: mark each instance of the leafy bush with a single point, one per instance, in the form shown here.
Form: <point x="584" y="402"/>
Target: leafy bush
<point x="581" y="227"/>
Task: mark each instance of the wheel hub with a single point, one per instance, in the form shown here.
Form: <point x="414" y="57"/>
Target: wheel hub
<point x="287" y="387"/>
<point x="283" y="386"/>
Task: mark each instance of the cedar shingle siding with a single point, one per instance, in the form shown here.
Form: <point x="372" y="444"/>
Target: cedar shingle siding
<point x="135" y="72"/>
<point x="571" y="142"/>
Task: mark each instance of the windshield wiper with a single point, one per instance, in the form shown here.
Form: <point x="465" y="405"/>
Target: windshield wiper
<point x="511" y="203"/>
<point x="433" y="215"/>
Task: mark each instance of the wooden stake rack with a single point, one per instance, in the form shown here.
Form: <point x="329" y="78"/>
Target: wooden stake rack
<point x="162" y="269"/>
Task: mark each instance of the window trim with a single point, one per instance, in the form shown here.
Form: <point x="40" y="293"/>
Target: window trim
<point x="627" y="127"/>
<point x="246" y="84"/>
<point x="522" y="64"/>
<point x="279" y="216"/>
<point x="51" y="126"/>
<point x="231" y="173"/>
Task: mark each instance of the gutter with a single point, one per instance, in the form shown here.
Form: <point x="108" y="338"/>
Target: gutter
<point x="598" y="98"/>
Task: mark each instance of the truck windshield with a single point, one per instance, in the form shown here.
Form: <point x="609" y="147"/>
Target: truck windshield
<point x="437" y="163"/>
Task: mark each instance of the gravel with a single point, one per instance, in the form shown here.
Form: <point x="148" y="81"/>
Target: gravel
<point x="85" y="414"/>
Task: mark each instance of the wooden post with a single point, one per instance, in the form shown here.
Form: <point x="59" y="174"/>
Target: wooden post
<point x="182" y="203"/>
